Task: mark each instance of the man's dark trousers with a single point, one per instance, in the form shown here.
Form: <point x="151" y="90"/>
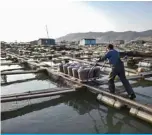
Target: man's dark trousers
<point x="119" y="70"/>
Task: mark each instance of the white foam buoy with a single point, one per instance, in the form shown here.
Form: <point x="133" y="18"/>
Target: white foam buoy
<point x="118" y="104"/>
<point x="141" y="114"/>
<point x="140" y="70"/>
<point x="145" y="64"/>
<point x="99" y="97"/>
<point x="108" y="101"/>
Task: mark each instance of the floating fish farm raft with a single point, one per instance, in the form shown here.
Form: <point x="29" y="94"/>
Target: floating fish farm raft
<point x="73" y="69"/>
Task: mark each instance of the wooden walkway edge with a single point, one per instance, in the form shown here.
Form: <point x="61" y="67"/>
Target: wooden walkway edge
<point x="31" y="95"/>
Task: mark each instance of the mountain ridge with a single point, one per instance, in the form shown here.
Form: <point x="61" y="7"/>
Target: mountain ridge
<point x="107" y="36"/>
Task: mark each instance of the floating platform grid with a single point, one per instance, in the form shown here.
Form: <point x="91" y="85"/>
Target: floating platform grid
<point x="136" y="109"/>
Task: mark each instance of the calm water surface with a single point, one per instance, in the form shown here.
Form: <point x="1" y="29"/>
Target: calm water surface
<point x="74" y="113"/>
<point x="30" y="85"/>
<point x="24" y="82"/>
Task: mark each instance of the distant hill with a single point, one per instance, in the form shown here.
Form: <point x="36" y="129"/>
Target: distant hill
<point x="108" y="36"/>
<point x="148" y="38"/>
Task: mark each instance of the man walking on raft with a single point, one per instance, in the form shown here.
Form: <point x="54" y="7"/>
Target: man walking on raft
<point x="117" y="69"/>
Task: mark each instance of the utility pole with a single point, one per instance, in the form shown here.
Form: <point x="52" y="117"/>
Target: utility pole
<point x="47" y="31"/>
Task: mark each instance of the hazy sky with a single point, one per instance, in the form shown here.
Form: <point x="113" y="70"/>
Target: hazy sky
<point x="25" y="20"/>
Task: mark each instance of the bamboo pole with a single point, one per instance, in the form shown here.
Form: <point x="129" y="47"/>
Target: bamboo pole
<point x="36" y="96"/>
<point x="12" y="69"/>
<point x="34" y="92"/>
<point x="19" y="72"/>
<point x="10" y="63"/>
<point x="17" y="81"/>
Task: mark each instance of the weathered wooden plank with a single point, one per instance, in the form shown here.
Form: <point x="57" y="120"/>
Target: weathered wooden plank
<point x="39" y="95"/>
<point x="35" y="92"/>
<point x="17" y="81"/>
<point x="19" y="72"/>
<point x="10" y="63"/>
<point x="136" y="54"/>
<point x="140" y="76"/>
<point x="12" y="69"/>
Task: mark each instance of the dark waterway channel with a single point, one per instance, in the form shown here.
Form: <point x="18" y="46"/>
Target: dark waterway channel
<point x="79" y="112"/>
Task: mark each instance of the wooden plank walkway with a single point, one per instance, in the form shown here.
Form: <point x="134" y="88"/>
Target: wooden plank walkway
<point x="35" y="92"/>
<point x="17" y="81"/>
<point x="141" y="75"/>
<point x="12" y="69"/>
<point x="102" y="91"/>
<point x="38" y="94"/>
<point x="19" y="72"/>
<point x="10" y="63"/>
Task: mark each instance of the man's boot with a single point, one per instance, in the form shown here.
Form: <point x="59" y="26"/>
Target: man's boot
<point x="132" y="96"/>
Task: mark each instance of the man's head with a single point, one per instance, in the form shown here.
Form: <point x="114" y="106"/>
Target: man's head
<point x="110" y="47"/>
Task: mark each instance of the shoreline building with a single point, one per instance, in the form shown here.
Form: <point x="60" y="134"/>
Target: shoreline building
<point x="118" y="42"/>
<point x="87" y="41"/>
<point x="46" y="41"/>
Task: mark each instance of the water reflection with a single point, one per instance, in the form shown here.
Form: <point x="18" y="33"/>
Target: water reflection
<point x="31" y="108"/>
<point x="23" y="83"/>
<point x="38" y="106"/>
<point x="102" y="118"/>
<point x="113" y="128"/>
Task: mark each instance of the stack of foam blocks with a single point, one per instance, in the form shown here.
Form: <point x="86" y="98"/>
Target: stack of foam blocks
<point x="79" y="71"/>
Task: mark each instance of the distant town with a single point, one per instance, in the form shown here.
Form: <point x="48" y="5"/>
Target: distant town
<point x="83" y="41"/>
